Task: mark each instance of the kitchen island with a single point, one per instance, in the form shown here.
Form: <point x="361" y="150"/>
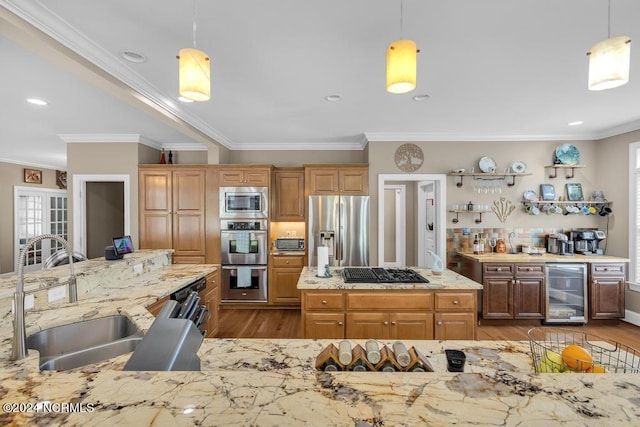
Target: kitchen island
<point x="274" y="382"/>
<point x="443" y="308"/>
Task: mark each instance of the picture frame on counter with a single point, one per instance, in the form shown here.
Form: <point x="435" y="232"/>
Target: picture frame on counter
<point x="547" y="192"/>
<point x="574" y="192"/>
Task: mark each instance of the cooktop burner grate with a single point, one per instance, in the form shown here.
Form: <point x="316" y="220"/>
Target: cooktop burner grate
<point x="381" y="275"/>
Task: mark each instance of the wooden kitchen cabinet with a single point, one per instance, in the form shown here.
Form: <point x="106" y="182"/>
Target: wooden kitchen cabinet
<point x="606" y="290"/>
<point x="284" y="273"/>
<point x="513" y="291"/>
<point x="382" y="314"/>
<point x="233" y="176"/>
<point x="287" y="201"/>
<point x="210" y="297"/>
<point x="172" y="211"/>
<point x="349" y="179"/>
<point x="324" y="325"/>
<point x="155" y="308"/>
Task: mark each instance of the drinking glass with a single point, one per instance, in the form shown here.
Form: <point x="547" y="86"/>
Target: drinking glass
<point x="493" y="242"/>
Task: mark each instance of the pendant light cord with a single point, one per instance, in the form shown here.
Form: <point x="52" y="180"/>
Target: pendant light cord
<point x="194" y="24"/>
<point x="402" y="15"/>
<point x="609" y="20"/>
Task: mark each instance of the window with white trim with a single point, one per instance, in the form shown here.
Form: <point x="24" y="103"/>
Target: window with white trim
<point x="634" y="215"/>
<point x="38" y="212"/>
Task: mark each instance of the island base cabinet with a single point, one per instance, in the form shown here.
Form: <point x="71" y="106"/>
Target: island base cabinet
<point x="390" y="326"/>
<point x="324" y="325"/>
<point x="455" y="326"/>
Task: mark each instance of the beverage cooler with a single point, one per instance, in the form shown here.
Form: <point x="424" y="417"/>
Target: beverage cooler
<point x="566" y="293"/>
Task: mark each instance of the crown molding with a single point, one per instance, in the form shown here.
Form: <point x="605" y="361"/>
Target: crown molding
<point x="619" y="130"/>
<point x="31" y="164"/>
<point x="39" y="16"/>
<point x="184" y="147"/>
<point x="424" y="137"/>
<point x="303" y="146"/>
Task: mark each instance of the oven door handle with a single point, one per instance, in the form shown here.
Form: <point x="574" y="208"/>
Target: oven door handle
<point x="235" y="267"/>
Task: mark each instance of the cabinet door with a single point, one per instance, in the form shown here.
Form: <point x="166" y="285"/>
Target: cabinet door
<point x="156" y="218"/>
<point x="368" y="325"/>
<point x="210" y="297"/>
<point x="323" y="181"/>
<point x="288" y="196"/>
<point x="256" y="177"/>
<point x="606" y="297"/>
<point x="354" y="181"/>
<point x="231" y="177"/>
<point x="455" y="326"/>
<point x="189" y="212"/>
<point x="410" y="326"/>
<point x="497" y="298"/>
<point x="155" y="308"/>
<point x="529" y="295"/>
<point x="324" y="326"/>
<point x="283" y="285"/>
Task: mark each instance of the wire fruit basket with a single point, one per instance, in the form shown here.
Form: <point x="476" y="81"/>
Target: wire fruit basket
<point x="557" y="350"/>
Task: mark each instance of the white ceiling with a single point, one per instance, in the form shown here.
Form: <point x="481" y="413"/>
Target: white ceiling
<point x="494" y="70"/>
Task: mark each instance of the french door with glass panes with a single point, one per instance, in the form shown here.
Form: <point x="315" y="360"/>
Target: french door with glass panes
<point x="36" y="212"/>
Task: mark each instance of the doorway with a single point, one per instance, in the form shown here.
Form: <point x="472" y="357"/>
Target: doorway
<point x="430" y="188"/>
<point x="395" y="225"/>
<point x="101" y="211"/>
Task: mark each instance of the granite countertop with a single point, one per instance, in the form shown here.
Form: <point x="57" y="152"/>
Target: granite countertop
<point x="524" y="257"/>
<point x="274" y="383"/>
<point x="287" y="253"/>
<point x="447" y="280"/>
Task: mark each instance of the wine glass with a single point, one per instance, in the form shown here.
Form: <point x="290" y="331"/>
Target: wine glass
<point x="493" y="242"/>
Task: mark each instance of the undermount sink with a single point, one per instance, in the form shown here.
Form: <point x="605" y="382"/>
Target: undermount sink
<point x="83" y="343"/>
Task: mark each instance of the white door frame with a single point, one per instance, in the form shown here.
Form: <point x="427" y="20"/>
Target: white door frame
<point x="401" y="225"/>
<point x="440" y="192"/>
<point x="80" y="208"/>
<point x="423" y="189"/>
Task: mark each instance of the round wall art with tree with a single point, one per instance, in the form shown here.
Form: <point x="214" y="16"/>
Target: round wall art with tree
<point x="409" y="157"/>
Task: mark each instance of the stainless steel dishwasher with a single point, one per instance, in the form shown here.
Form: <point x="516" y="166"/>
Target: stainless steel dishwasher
<point x="566" y="285"/>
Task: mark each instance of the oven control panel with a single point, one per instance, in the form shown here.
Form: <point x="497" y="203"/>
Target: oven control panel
<point x="243" y="225"/>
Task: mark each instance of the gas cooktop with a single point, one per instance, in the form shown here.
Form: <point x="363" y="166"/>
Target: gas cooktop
<point x="381" y="275"/>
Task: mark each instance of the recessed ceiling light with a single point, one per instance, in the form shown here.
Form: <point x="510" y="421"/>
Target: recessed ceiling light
<point x="576" y="123"/>
<point x="421" y="97"/>
<point x="185" y="100"/>
<point x="333" y="98"/>
<point x="36" y="101"/>
<point x="132" y="56"/>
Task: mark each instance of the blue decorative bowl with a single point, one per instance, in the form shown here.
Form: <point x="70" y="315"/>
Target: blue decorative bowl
<point x="567" y="154"/>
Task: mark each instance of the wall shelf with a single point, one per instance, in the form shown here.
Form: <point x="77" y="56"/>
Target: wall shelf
<point x="568" y="174"/>
<point x="477" y="220"/>
<point x="488" y="177"/>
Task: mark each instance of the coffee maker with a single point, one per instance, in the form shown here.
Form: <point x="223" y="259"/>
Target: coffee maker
<point x="559" y="244"/>
<point x="587" y="242"/>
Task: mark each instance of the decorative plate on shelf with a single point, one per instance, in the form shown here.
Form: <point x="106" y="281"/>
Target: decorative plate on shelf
<point x="487" y="165"/>
<point x="530" y="195"/>
<point x="567" y="154"/>
<point x="409" y="157"/>
<point x="519" y="167"/>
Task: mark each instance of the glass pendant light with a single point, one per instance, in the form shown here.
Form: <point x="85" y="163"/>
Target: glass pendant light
<point x="194" y="70"/>
<point x="609" y="61"/>
<point x="401" y="64"/>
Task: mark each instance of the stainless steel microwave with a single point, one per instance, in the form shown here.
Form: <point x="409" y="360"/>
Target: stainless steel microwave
<point x="289" y="244"/>
<point x="244" y="202"/>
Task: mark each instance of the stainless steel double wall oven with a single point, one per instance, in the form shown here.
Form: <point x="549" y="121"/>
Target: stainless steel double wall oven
<point x="244" y="244"/>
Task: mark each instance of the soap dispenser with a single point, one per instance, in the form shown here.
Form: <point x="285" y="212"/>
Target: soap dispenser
<point x="438" y="266"/>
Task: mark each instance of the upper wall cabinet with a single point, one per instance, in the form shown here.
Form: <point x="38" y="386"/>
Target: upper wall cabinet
<point x="236" y="176"/>
<point x="351" y="179"/>
<point x="287" y="197"/>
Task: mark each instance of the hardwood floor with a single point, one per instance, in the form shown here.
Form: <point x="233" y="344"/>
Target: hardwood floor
<point x="275" y="323"/>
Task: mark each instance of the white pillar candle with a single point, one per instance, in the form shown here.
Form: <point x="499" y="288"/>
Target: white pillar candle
<point x="323" y="259"/>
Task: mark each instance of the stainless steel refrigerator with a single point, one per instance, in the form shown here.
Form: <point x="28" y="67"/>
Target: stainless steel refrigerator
<point x="342" y="224"/>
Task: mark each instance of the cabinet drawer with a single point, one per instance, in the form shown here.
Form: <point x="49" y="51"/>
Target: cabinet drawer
<point x="462" y="301"/>
<point x="324" y="300"/>
<point x="389" y="301"/>
<point x="529" y="269"/>
<point x="605" y="269"/>
<point x="287" y="261"/>
<point x="495" y="269"/>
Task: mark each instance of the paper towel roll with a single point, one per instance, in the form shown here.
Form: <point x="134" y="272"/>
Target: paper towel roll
<point x="323" y="259"/>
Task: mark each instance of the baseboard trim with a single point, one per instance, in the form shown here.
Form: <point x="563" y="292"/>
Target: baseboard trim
<point x="632" y="317"/>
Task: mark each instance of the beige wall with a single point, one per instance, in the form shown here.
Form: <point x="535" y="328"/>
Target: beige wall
<point x="442" y="157"/>
<point x="105" y="204"/>
<point x="613" y="174"/>
<point x="13" y="175"/>
<point x="296" y="158"/>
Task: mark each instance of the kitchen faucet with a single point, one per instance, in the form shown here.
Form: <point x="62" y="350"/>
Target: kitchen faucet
<point x="19" y="348"/>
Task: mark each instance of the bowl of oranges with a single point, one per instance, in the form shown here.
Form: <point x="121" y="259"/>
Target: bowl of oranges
<point x="561" y="350"/>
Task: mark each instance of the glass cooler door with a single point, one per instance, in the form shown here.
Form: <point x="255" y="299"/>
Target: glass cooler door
<point x="566" y="293"/>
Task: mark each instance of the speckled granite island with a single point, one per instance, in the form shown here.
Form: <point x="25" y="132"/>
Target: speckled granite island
<point x="444" y="308"/>
<point x="274" y="383"/>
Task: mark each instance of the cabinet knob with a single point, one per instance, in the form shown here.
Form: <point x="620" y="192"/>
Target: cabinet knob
<point x="393" y="323"/>
<point x="595" y="281"/>
<point x="530" y="269"/>
<point x="286" y="262"/>
<point x="455" y="301"/>
<point x="244" y="294"/>
<point x="324" y="301"/>
<point x="439" y="323"/>
<point x="339" y="323"/>
<point x="499" y="269"/>
<point x="386" y="323"/>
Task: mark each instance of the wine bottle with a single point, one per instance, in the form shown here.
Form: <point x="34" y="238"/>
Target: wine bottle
<point x="476" y="245"/>
<point x="359" y="362"/>
<point x="402" y="355"/>
<point x="418" y="363"/>
<point x="328" y="361"/>
<point x="345" y="356"/>
<point x="373" y="351"/>
<point x="388" y="361"/>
